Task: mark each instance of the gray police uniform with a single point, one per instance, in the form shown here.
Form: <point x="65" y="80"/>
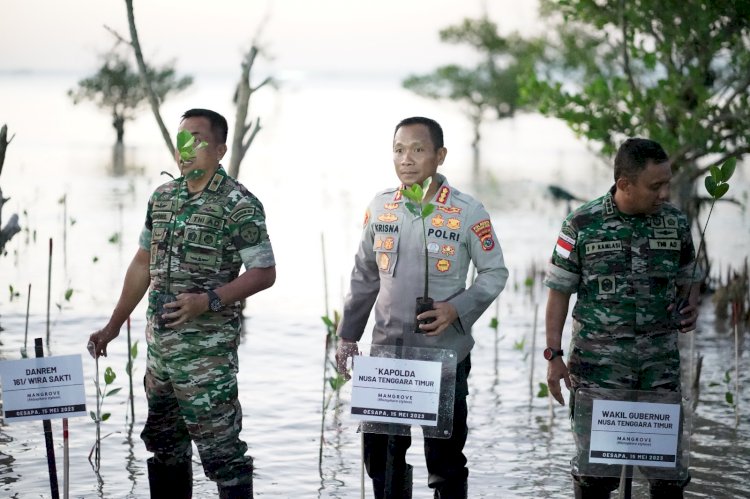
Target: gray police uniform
<point x="389" y="275"/>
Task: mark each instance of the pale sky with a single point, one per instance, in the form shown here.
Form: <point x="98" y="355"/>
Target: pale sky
<point x="377" y="36"/>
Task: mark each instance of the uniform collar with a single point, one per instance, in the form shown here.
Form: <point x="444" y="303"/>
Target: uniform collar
<point x="441" y="197"/>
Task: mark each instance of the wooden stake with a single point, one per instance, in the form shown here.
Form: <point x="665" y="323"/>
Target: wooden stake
<point x="47" y="425"/>
<point x="49" y="285"/>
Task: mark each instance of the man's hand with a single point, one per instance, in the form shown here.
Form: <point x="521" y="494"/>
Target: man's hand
<point x="344" y="350"/>
<point x="557" y="370"/>
<point x="186" y="306"/>
<point x="97" y="345"/>
<point x="689" y="317"/>
<point x="445" y="313"/>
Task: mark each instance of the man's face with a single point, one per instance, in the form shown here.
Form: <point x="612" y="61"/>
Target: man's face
<point x="649" y="190"/>
<point x="206" y="158"/>
<point x="414" y="155"/>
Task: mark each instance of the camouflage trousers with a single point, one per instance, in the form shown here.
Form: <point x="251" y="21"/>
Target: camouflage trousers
<point x="644" y="362"/>
<point x="191" y="387"/>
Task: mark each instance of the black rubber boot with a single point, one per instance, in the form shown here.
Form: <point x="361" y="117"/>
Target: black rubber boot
<point x="589" y="492"/>
<point x="378" y="486"/>
<point x="241" y="491"/>
<point x="174" y="482"/>
<point x="452" y="490"/>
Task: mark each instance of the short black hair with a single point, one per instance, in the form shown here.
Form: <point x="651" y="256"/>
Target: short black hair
<point x="634" y="154"/>
<point x="219" y="127"/>
<point x="436" y="131"/>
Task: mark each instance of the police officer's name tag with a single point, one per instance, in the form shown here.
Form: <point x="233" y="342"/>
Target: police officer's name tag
<point x="664" y="244"/>
<point x="603" y="246"/>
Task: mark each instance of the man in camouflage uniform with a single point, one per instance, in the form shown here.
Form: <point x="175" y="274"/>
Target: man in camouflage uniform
<point x="628" y="255"/>
<point x="389" y="274"/>
<point x="200" y="228"/>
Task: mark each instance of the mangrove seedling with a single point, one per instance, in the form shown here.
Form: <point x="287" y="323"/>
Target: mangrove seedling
<point x="717" y="185"/>
<point x="98" y="417"/>
<point x="417" y="207"/>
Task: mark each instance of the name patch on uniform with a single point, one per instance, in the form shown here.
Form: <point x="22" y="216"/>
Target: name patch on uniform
<point x="664" y="244"/>
<point x="161" y="216"/>
<point x="206" y="221"/>
<point x="603" y="246"/>
<point x="245" y="212"/>
<point x="385" y="228"/>
<point x="200" y="258"/>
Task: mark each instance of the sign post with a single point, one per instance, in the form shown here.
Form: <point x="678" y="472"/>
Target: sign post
<point x="44" y="388"/>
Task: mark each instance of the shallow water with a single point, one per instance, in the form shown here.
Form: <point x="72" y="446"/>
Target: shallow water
<point x="518" y="445"/>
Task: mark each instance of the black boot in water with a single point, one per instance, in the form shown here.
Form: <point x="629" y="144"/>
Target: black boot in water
<point x="173" y="482"/>
<point x="241" y="491"/>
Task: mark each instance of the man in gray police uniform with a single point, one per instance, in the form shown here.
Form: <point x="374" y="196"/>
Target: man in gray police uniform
<point x="389" y="274"/>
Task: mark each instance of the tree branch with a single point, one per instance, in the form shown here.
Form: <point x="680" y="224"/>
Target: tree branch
<point x="152" y="98"/>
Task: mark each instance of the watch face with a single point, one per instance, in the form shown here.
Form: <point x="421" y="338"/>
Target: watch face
<point x="215" y="305"/>
<point x="548" y="353"/>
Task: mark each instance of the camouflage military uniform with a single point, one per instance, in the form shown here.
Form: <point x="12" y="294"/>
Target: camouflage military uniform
<point x="190" y="380"/>
<point x="625" y="270"/>
<point x="389" y="275"/>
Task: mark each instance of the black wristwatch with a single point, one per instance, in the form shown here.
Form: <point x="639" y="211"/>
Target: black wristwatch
<point x="214" y="302"/>
<point x="551" y="353"/>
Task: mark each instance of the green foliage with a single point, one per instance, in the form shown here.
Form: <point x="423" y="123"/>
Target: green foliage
<point x="491" y="85"/>
<point x="116" y="87"/>
<point x="131" y="357"/>
<point x="101" y="394"/>
<point x="676" y="72"/>
<point x="494" y="323"/>
<point x="68" y="294"/>
<point x="114" y="238"/>
<point x="519" y="344"/>
<point x="543" y="390"/>
<point x="186" y="146"/>
<point x="13" y="292"/>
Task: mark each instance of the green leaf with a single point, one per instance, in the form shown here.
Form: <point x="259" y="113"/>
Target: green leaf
<point x="543" y="390"/>
<point x="715" y="173"/>
<point x="494" y="323"/>
<point x="727" y="377"/>
<point x="112" y="392"/>
<point x="184" y="138"/>
<point x="412" y="209"/>
<point x="114" y="238"/>
<point x="106" y="416"/>
<point x="727" y="169"/>
<point x="710" y="186"/>
<point x="729" y="398"/>
<point x="134" y="350"/>
<point x="528" y="282"/>
<point x="95" y="259"/>
<point x="109" y="376"/>
<point x="337" y="381"/>
<point x="427" y="210"/>
<point x="721" y="189"/>
<point x="68" y="294"/>
<point x="93" y="415"/>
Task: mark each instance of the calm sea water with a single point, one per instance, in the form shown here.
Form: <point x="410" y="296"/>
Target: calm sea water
<point x="323" y="152"/>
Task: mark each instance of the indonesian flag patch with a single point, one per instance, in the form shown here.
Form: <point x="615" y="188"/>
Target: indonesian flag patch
<point x="565" y="245"/>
